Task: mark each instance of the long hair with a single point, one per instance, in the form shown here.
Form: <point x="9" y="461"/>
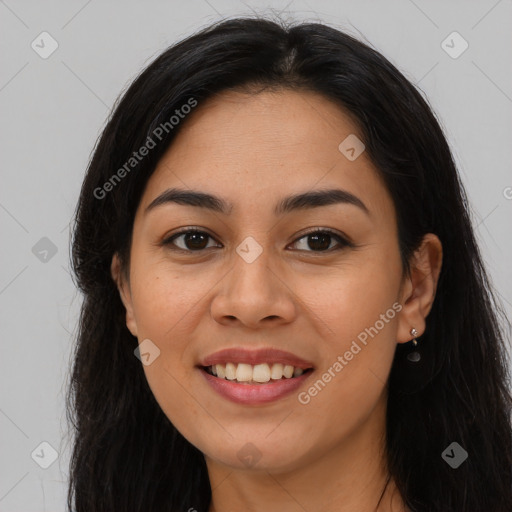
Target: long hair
<point x="127" y="455"/>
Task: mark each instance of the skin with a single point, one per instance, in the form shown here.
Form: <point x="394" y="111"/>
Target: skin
<point x="252" y="150"/>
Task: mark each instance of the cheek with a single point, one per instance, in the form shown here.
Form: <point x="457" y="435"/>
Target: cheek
<point x="357" y="311"/>
<point x="163" y="299"/>
<point x="166" y="307"/>
<point x="350" y="298"/>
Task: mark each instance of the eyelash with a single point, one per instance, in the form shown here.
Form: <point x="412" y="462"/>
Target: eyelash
<point x="343" y="242"/>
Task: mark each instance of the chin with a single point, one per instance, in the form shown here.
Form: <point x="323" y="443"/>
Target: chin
<point x="250" y="456"/>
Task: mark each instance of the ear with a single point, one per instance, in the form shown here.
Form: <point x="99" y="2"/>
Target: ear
<point x="419" y="289"/>
<point x="123" y="286"/>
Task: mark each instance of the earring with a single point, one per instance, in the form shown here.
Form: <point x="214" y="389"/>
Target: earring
<point x="414" y="356"/>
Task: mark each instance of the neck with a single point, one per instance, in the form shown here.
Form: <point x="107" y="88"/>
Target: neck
<point x="349" y="477"/>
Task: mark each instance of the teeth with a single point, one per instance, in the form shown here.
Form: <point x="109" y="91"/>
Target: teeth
<point x="220" y="369"/>
<point x="244" y="372"/>
<point x="277" y="371"/>
<point x="288" y="371"/>
<point x="230" y="371"/>
<point x="259" y="373"/>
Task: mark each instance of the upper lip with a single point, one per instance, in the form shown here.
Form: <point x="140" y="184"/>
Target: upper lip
<point x="253" y="357"/>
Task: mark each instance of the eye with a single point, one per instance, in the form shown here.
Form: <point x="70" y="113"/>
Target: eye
<point x="192" y="240"/>
<point x="195" y="240"/>
<point x="320" y="240"/>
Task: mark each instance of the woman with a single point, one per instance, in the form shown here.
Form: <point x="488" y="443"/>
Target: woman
<point x="284" y="305"/>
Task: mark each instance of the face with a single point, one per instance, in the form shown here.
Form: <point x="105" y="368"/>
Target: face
<point x="259" y="277"/>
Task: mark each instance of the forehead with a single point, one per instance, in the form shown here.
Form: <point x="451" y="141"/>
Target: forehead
<point x="252" y="147"/>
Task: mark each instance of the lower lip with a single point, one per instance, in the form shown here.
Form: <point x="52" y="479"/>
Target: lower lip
<point x="251" y="394"/>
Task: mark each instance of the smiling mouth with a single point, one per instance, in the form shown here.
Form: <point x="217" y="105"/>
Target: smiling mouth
<point x="264" y="373"/>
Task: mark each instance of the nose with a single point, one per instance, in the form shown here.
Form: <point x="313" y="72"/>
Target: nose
<point x="254" y="295"/>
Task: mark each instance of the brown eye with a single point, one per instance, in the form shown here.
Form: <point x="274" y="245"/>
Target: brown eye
<point x="320" y="241"/>
<point x="190" y="240"/>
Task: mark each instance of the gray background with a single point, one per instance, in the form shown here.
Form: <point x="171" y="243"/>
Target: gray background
<point x="53" y="110"/>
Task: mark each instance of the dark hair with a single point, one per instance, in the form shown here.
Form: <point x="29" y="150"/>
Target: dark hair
<point x="127" y="455"/>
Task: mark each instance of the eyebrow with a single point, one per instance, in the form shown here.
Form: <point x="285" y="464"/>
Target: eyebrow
<point x="303" y="201"/>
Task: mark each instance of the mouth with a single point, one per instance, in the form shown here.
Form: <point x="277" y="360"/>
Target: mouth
<point x="263" y="373"/>
<point x="254" y="377"/>
<point x="257" y="385"/>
